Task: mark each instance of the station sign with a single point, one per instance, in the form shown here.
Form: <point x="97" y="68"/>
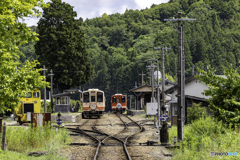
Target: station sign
<point x="59" y="121"/>
<point x="163" y="117"/>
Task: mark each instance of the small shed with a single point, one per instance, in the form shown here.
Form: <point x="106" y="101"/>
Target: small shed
<point x="62" y="101"/>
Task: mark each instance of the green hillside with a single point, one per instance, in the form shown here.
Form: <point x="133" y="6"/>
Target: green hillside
<point x="120" y="45"/>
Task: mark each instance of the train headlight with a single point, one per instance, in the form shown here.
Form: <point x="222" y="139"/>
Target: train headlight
<point x="21" y="102"/>
<point x="93" y="106"/>
<point x="35" y="101"/>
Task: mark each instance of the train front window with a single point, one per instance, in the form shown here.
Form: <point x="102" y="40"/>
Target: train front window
<point x="99" y="97"/>
<point x="123" y="99"/>
<point x="92" y="98"/>
<point x="113" y="99"/>
<point x="118" y="100"/>
<point x="29" y="95"/>
<point x="35" y="94"/>
<point x="86" y="97"/>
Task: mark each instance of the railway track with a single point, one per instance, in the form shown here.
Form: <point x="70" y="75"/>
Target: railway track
<point x="104" y="142"/>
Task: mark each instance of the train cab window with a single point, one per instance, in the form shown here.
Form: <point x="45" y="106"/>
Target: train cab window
<point x="113" y="99"/>
<point x="86" y="97"/>
<point x="99" y="97"/>
<point x="35" y="94"/>
<point x="123" y="99"/>
<point x="29" y="95"/>
<point x="118" y="100"/>
<point x="92" y="98"/>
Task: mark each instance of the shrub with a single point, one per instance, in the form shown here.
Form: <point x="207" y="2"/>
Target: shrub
<point x="204" y="136"/>
<point x="196" y="112"/>
<point x="21" y="139"/>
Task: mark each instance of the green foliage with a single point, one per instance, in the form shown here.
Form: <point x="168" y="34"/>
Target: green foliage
<point x="61" y="46"/>
<point x="224" y="92"/>
<point x="196" y="112"/>
<point x="15" y="81"/>
<point x="24" y="140"/>
<point x="121" y="45"/>
<point x="204" y="136"/>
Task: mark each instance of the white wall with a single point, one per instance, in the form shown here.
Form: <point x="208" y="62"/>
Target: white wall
<point x="195" y="88"/>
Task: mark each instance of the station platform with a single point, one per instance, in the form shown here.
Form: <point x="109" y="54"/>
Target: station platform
<point x="135" y="112"/>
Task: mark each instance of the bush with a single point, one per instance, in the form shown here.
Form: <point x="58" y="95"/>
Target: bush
<point x="204" y="136"/>
<point x="23" y="139"/>
<point x="196" y="112"/>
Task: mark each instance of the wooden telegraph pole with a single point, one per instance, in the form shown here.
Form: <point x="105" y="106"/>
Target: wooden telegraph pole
<point x="152" y="78"/>
<point x="181" y="74"/>
<point x="142" y="77"/>
<point x="44" y="69"/>
<point x="51" y="89"/>
<point x="164" y="130"/>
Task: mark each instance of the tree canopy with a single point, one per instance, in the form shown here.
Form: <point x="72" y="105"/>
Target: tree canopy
<point x="121" y="45"/>
<point x="16" y="81"/>
<point x="61" y="46"/>
<point x="224" y="92"/>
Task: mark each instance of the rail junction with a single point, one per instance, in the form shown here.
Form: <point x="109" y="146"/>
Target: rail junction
<point x="114" y="136"/>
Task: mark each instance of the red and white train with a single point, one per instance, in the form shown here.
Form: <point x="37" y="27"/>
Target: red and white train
<point x="119" y="103"/>
<point x="93" y="103"/>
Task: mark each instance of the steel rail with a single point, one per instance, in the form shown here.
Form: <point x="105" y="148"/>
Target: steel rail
<point x="140" y="127"/>
<point x="101" y="142"/>
<point x="124" y="143"/>
<point x="94" y="130"/>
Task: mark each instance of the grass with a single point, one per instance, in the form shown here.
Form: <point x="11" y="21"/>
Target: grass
<point x="149" y="117"/>
<point x="204" y="136"/>
<point x="21" y="140"/>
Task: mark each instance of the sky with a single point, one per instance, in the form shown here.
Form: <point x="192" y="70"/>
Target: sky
<point x="96" y="8"/>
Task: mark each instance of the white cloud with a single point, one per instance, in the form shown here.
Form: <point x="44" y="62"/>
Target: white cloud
<point x="96" y="8"/>
<point x="142" y="4"/>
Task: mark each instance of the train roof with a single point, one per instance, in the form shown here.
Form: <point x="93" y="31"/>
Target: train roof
<point x="93" y="89"/>
<point x="118" y="94"/>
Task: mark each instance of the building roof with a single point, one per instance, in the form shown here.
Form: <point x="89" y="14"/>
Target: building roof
<point x="148" y="88"/>
<point x="195" y="98"/>
<point x="144" y="88"/>
<point x="63" y="94"/>
<point x="171" y="89"/>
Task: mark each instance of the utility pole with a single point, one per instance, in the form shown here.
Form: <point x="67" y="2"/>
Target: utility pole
<point x="152" y="78"/>
<point x="164" y="130"/>
<point x="142" y="77"/>
<point x="193" y="69"/>
<point x="181" y="74"/>
<point x="51" y="89"/>
<point x="175" y="71"/>
<point x="130" y="101"/>
<point x="44" y="69"/>
<point x="163" y="78"/>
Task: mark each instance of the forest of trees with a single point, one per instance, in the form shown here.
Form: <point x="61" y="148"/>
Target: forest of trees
<point x="121" y="45"/>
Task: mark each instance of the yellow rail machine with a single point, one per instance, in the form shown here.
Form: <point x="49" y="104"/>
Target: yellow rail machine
<point x="29" y="104"/>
